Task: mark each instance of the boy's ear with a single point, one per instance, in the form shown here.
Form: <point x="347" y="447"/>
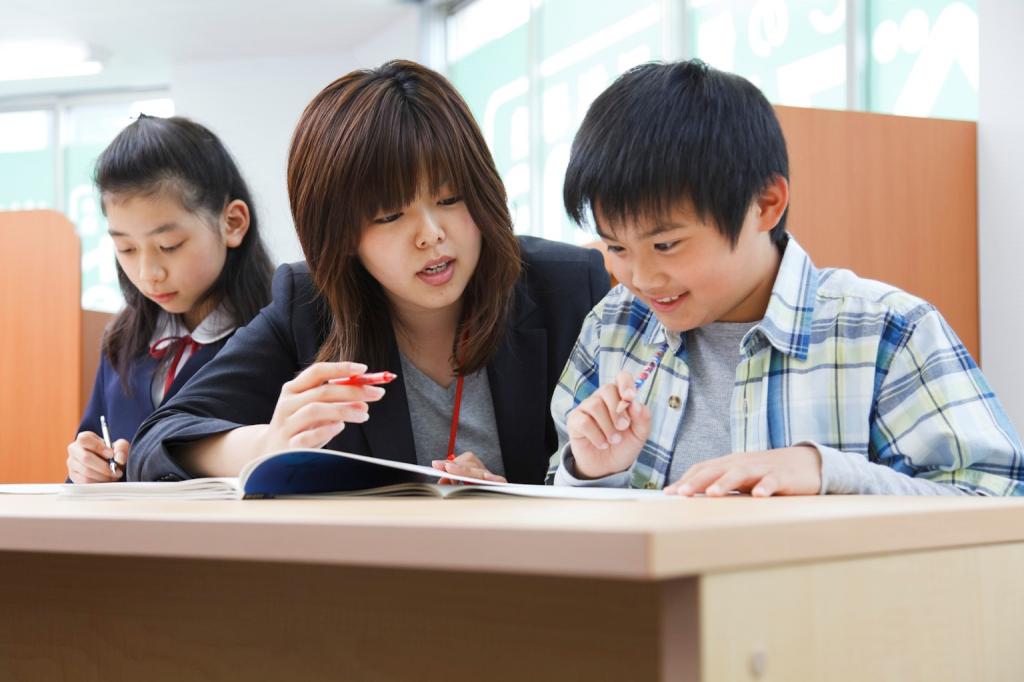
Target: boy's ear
<point x="235" y="223"/>
<point x="772" y="203"/>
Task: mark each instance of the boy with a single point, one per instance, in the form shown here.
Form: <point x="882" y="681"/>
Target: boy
<point x="726" y="361"/>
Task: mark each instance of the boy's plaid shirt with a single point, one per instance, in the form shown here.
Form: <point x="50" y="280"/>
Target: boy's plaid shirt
<point x="843" y="362"/>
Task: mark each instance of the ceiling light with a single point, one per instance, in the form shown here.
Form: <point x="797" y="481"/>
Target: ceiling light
<point x="27" y="60"/>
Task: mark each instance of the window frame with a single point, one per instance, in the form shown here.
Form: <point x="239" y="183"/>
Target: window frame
<point x="59" y="106"/>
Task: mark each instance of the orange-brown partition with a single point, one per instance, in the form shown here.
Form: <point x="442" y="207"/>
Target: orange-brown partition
<point x="892" y="198"/>
<point x="94" y="323"/>
<point x="40" y="346"/>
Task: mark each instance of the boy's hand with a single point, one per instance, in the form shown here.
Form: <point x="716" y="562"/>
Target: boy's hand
<point x="88" y="459"/>
<point x="608" y="429"/>
<point x="466" y="464"/>
<point x="783" y="471"/>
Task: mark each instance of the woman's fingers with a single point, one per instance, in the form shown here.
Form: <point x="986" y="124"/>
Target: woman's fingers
<point x="469" y="465"/>
<point x="468" y="459"/>
<point x="317" y="414"/>
<point x="473" y="472"/>
<point x="320" y="373"/>
<point x="316" y="437"/>
<point x="330" y="393"/>
<point x="310" y="411"/>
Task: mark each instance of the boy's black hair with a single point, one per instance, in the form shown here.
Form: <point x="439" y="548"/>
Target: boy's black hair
<point x="183" y="158"/>
<point x="665" y="132"/>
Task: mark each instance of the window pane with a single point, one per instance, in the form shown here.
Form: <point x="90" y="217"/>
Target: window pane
<point x="26" y="160"/>
<point x="86" y="132"/>
<point x="795" y="50"/>
<point x="581" y="54"/>
<point x="577" y="54"/>
<point x="923" y="59"/>
<point x="488" y="45"/>
<point x="530" y="68"/>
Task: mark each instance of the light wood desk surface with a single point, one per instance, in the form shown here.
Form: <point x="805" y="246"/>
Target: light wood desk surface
<point x="638" y="540"/>
<point x="829" y="588"/>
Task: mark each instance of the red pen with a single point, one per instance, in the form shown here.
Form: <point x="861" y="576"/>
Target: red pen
<point x="370" y="379"/>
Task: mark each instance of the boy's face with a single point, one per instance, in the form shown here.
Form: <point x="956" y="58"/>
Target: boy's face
<point x="689" y="273"/>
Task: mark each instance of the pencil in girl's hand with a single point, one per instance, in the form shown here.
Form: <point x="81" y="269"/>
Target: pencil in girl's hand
<point x="112" y="463"/>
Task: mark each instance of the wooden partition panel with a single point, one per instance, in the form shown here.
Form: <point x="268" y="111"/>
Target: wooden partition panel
<point x="93" y="325"/>
<point x="892" y="198"/>
<point x="40" y="346"/>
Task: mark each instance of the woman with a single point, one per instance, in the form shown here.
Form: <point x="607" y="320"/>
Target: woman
<point x="412" y="268"/>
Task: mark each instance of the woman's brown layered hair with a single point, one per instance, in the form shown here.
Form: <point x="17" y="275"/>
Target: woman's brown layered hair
<point x="365" y="145"/>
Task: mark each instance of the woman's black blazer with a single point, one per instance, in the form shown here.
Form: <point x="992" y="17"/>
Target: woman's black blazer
<point x="558" y="286"/>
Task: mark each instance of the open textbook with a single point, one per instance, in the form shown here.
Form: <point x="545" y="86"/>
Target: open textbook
<point x="297" y="473"/>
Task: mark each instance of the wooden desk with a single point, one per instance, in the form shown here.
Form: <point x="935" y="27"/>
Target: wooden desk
<point x="840" y="588"/>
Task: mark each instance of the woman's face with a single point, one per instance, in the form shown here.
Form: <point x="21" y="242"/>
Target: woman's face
<point x="424" y="254"/>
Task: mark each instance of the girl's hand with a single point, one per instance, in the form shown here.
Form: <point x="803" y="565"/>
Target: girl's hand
<point x="608" y="429"/>
<point x="466" y="464"/>
<point x="310" y="412"/>
<point x="88" y="459"/>
<point x="783" y="471"/>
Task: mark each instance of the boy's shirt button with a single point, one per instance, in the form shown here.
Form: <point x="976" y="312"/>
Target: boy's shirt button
<point x="674" y="402"/>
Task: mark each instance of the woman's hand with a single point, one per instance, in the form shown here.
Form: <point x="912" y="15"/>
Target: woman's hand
<point x="466" y="464"/>
<point x="310" y="411"/>
<point x="88" y="459"/>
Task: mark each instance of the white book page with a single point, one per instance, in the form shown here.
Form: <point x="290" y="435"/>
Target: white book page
<point x="192" y="489"/>
<point x="31" y="488"/>
<point x="563" y="492"/>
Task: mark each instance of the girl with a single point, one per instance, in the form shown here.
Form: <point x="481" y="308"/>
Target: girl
<point x="412" y="268"/>
<point x="191" y="267"/>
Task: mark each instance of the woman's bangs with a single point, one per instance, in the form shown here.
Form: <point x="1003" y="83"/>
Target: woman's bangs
<point x="402" y="161"/>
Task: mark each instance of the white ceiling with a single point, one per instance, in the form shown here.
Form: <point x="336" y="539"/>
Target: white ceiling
<point x="140" y="40"/>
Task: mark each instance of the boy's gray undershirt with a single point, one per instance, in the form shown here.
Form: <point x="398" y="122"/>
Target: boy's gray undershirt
<point x="713" y="352"/>
<point x="430" y="411"/>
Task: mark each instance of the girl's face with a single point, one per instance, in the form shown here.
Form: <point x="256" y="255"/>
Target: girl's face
<point x="424" y="254"/>
<point x="173" y="255"/>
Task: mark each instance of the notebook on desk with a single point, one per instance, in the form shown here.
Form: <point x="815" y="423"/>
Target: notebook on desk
<point x="301" y="473"/>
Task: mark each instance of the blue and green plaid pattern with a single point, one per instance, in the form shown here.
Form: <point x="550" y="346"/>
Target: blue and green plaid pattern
<point x="840" y="361"/>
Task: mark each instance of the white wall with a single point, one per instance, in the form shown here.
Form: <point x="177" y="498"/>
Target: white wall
<point x="253" y="104"/>
<point x="1000" y="211"/>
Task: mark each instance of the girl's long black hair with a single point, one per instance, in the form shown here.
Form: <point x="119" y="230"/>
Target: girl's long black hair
<point x="179" y="156"/>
